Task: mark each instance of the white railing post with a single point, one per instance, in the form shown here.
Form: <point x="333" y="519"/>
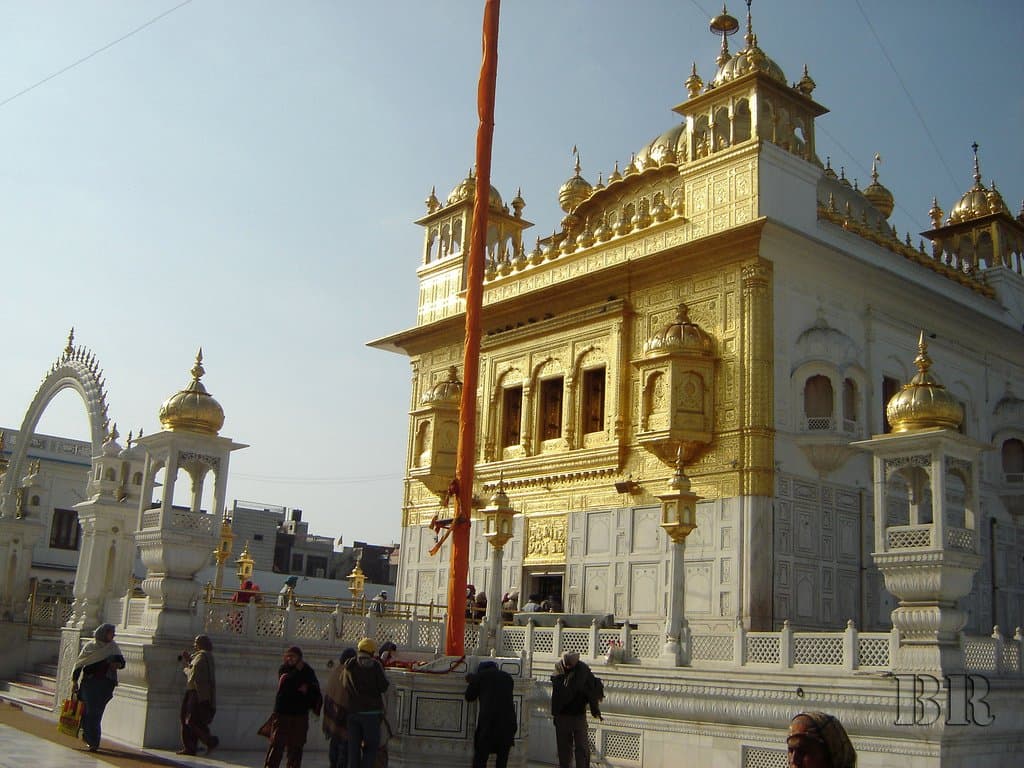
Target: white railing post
<point x="556" y="638"/>
<point x="249" y="622"/>
<point x="739" y="644"/>
<point x="338" y="618"/>
<point x="289" y="622"/>
<point x="627" y="642"/>
<point x="850" y="646"/>
<point x="528" y="640"/>
<point x="1018" y="638"/>
<point x="442" y="635"/>
<point x="998" y="642"/>
<point x="894" y="646"/>
<point x="482" y="646"/>
<point x="595" y="642"/>
<point x="786" y="646"/>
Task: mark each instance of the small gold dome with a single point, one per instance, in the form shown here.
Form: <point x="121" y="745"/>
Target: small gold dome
<point x="575" y="190"/>
<point x="978" y="201"/>
<point x="878" y="195"/>
<point x="667" y="149"/>
<point x="466" y="189"/>
<point x="192" y="409"/>
<point x="447" y="391"/>
<point x="923" y="403"/>
<point x="750" y="59"/>
<point x="680" y="336"/>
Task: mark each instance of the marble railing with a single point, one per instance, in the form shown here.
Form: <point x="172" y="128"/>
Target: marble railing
<point x="849" y="649"/>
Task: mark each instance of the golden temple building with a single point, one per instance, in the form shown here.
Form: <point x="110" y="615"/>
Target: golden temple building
<point x="729" y="296"/>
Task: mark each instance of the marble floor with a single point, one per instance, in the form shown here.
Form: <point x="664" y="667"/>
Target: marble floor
<point x="18" y="749"/>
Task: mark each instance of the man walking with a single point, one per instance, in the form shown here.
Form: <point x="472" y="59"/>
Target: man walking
<point x="573" y="689"/>
<point x="363" y="683"/>
<point x="298" y="692"/>
<point x="200" y="702"/>
<point x="496" y="717"/>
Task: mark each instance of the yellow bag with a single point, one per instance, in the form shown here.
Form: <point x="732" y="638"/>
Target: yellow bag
<point x="71" y="712"/>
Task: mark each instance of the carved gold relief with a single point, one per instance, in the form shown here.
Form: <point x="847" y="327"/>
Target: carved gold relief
<point x="546" y="537"/>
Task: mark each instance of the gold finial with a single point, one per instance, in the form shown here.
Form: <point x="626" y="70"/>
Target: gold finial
<point x="977" y="167"/>
<point x="113" y="433"/>
<point x="197" y="368"/>
<point x="750" y="40"/>
<point x="923" y="403"/>
<point x="874" y="167"/>
<point x="130" y="438"/>
<point x="935" y="213"/>
<point x="576" y="152"/>
<point x="616" y="176"/>
<point x="432" y="202"/>
<point x="70" y="348"/>
<point x="723" y="24"/>
<point x="806" y="85"/>
<point x="693" y="82"/>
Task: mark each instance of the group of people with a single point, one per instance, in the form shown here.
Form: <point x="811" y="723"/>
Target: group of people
<point x="353" y="708"/>
<point x="476" y="603"/>
<point x="539" y="604"/>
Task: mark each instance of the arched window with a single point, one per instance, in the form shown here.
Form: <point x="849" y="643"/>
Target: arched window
<point x="1013" y="460"/>
<point x="818" y="403"/>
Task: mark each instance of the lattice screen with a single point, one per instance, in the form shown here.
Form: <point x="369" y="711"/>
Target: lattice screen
<point x="759" y="757"/>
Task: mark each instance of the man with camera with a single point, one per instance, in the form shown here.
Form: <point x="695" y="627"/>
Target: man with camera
<point x="200" y="702"/>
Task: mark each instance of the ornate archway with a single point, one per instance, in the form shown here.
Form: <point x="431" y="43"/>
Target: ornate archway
<point x="77" y="369"/>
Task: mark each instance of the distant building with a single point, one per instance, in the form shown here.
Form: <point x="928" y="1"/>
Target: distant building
<point x="61" y="476"/>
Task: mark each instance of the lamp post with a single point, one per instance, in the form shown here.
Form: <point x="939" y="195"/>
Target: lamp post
<point x="245" y="565"/>
<point x="223" y="550"/>
<point x="678" y="519"/>
<point x="357" y="579"/>
<point x="498" y="518"/>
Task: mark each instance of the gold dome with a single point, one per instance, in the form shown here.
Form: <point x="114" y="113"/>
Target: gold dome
<point x="192" y="409"/>
<point x="923" y="403"/>
<point x="466" y="189"/>
<point x="667" y="149"/>
<point x="447" y="391"/>
<point x="750" y="59"/>
<point x="978" y="201"/>
<point x="680" y="336"/>
<point x="878" y="195"/>
<point x="575" y="190"/>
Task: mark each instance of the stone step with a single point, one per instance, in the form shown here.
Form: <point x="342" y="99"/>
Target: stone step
<point x="48" y="668"/>
<point x="38" y="680"/>
<point x="28" y="696"/>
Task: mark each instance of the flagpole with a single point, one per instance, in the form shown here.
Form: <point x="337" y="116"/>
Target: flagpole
<point x="455" y="629"/>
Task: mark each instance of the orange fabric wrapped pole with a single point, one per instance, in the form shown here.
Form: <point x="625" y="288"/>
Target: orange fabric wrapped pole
<point x="456" y="625"/>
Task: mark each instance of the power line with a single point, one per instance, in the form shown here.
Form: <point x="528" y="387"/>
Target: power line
<point x="292" y="480"/>
<point x="98" y="51"/>
<point x="910" y="98"/>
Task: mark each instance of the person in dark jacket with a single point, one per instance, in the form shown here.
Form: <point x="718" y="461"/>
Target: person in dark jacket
<point x="573" y="689"/>
<point x="200" y="702"/>
<point x="298" y="692"/>
<point x="97" y="664"/>
<point x="363" y="683"/>
<point x="496" y="718"/>
<point x="335" y="719"/>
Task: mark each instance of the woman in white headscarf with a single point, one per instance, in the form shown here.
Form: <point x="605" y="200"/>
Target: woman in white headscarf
<point x="97" y="665"/>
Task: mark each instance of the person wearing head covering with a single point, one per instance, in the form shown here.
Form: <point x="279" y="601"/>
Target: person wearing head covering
<point x="287" y="594"/>
<point x="363" y="683"/>
<point x="379" y="603"/>
<point x="496" y="723"/>
<point x="573" y="689"/>
<point x="200" y="702"/>
<point x="298" y="692"/>
<point x="818" y="740"/>
<point x="97" y="665"/>
<point x="335" y="717"/>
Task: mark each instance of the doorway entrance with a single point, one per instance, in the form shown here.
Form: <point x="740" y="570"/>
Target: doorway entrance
<point x="544" y="583"/>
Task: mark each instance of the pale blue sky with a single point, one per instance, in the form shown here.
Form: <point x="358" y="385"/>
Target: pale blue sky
<point x="243" y="176"/>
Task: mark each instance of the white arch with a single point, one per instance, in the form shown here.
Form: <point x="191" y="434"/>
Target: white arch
<point x="77" y="369"/>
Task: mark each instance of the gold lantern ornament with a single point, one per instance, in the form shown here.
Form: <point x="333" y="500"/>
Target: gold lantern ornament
<point x="679" y="506"/>
<point x="498" y="518"/>
<point x="245" y="565"/>
<point x="357" y="579"/>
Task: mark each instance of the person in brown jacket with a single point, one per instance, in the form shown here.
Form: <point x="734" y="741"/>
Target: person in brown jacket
<point x="200" y="702"/>
<point x="363" y="683"/>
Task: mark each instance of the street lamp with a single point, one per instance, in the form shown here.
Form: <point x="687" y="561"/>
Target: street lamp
<point x="245" y="565"/>
<point x="223" y="550"/>
<point x="678" y="519"/>
<point x="499" y="520"/>
<point x="357" y="579"/>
